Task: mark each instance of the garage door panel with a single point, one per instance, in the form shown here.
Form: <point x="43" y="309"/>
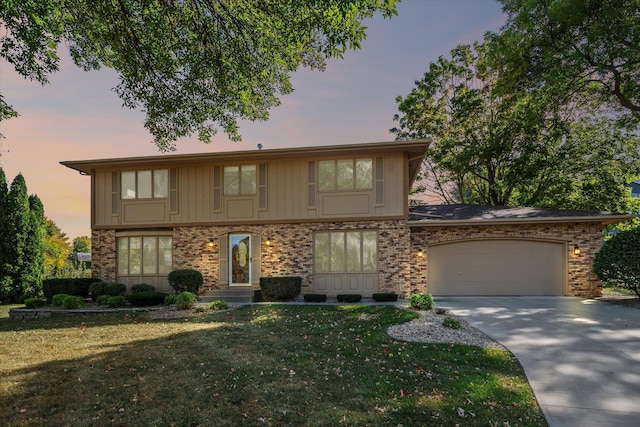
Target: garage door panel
<point x="496" y="267"/>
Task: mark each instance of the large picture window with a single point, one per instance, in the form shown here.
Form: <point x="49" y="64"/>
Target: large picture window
<point x="144" y="255"/>
<point x="346" y="251"/>
<point x="345" y="174"/>
<point x="144" y="184"/>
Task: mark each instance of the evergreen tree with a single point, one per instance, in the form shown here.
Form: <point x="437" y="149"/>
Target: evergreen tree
<point x="4" y="278"/>
<point x="33" y="270"/>
<point x="17" y="227"/>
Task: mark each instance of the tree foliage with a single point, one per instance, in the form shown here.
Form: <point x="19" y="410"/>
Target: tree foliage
<point x="573" y="47"/>
<point x="511" y="149"/>
<point x="82" y="244"/>
<point x="192" y="66"/>
<point x="21" y="258"/>
<point x="56" y="249"/>
<point x="618" y="261"/>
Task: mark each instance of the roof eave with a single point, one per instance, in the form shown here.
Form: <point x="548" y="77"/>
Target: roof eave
<point x="604" y="220"/>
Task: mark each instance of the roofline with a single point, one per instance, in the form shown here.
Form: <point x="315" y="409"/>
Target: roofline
<point x="604" y="220"/>
<point x="415" y="148"/>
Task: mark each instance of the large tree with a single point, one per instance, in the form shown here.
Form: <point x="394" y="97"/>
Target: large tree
<point x="82" y="244"/>
<point x="192" y="66"/>
<point x="573" y="47"/>
<point x="56" y="249"/>
<point x="511" y="149"/>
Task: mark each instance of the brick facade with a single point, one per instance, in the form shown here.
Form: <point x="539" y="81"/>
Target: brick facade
<point x="290" y="252"/>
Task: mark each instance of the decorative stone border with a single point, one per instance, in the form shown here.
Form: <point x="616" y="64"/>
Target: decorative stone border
<point x="42" y="313"/>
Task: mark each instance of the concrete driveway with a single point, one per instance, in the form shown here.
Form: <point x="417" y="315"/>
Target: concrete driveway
<point x="582" y="357"/>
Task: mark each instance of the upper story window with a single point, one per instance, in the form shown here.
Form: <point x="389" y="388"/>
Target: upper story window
<point x="239" y="180"/>
<point x="345" y="174"/>
<point x="144" y="184"/>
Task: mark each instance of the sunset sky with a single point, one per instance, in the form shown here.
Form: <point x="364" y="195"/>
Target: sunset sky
<point x="77" y="116"/>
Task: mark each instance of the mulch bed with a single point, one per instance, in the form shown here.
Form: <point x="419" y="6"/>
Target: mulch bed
<point x="630" y="301"/>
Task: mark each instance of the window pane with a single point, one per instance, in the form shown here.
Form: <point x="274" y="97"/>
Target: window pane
<point x="353" y="251"/>
<point x="135" y="253"/>
<point x="231" y="180"/>
<point x="160" y="183"/>
<point x="248" y="179"/>
<point x="345" y="174"/>
<point x="321" y="252"/>
<point x="326" y="175"/>
<point x="337" y="252"/>
<point x="364" y="174"/>
<point x="164" y="254"/>
<point x="369" y="251"/>
<point x="149" y="255"/>
<point x="144" y="184"/>
<point x="123" y="255"/>
<point x="128" y="185"/>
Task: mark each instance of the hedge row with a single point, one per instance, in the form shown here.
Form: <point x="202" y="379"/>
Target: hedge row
<point x="79" y="287"/>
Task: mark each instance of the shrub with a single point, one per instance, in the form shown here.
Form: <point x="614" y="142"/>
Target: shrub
<point x="147" y="298"/>
<point x="421" y="301"/>
<point x="185" y="300"/>
<point x="315" y="297"/>
<point x="618" y="261"/>
<point x="200" y="309"/>
<point x="218" y="305"/>
<point x="57" y="299"/>
<point x="385" y="297"/>
<point x="450" y="322"/>
<point x="96" y="289"/>
<point x="35" y="302"/>
<point x="115" y="289"/>
<point x="280" y="288"/>
<point x="77" y="286"/>
<point x="441" y="311"/>
<point x="185" y="280"/>
<point x="102" y="299"/>
<point x="116" y="301"/>
<point x="349" y="297"/>
<point x="141" y="287"/>
<point x="170" y="299"/>
<point x="72" y="302"/>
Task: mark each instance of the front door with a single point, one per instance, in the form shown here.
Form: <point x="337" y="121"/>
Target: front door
<point x="240" y="259"/>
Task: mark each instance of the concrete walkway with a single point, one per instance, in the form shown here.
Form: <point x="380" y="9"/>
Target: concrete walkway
<point x="582" y="357"/>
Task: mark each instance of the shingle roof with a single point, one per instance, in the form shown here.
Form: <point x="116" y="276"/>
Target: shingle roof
<point x="434" y="214"/>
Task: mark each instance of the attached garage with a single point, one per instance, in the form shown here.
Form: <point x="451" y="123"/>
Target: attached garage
<point x="497" y="267"/>
<point x="497" y="250"/>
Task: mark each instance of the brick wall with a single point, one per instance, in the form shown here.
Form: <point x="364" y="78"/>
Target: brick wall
<point x="290" y="252"/>
<point x="581" y="280"/>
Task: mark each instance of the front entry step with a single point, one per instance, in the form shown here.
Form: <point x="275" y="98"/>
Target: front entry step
<point x="244" y="294"/>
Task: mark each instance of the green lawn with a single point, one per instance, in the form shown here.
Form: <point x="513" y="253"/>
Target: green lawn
<point x="260" y="365"/>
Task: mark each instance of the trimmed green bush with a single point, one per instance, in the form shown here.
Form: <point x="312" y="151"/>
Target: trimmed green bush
<point x="170" y="299"/>
<point x="102" y="299"/>
<point x="618" y="261"/>
<point x="385" y="297"/>
<point x="147" y="298"/>
<point x="141" y="287"/>
<point x="96" y="289"/>
<point x="77" y="286"/>
<point x="116" y="301"/>
<point x="349" y="297"/>
<point x="451" y="322"/>
<point x="185" y="280"/>
<point x="441" y="311"/>
<point x="35" y="302"/>
<point x="115" y="289"/>
<point x="315" y="297"/>
<point x="57" y="299"/>
<point x="421" y="301"/>
<point x="280" y="288"/>
<point x="185" y="300"/>
<point x="218" y="305"/>
<point x="72" y="302"/>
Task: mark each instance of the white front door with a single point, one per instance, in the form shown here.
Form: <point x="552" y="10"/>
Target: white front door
<point x="240" y="259"/>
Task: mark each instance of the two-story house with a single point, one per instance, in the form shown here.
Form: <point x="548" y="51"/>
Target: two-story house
<point x="337" y="216"/>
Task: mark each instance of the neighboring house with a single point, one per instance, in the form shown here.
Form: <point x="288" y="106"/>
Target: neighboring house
<point x="634" y="186"/>
<point x="337" y="216"/>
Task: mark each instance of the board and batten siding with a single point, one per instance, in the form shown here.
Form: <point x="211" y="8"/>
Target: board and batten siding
<point x="287" y="194"/>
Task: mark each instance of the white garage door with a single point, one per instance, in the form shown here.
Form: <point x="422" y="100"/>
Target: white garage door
<point x="496" y="267"/>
